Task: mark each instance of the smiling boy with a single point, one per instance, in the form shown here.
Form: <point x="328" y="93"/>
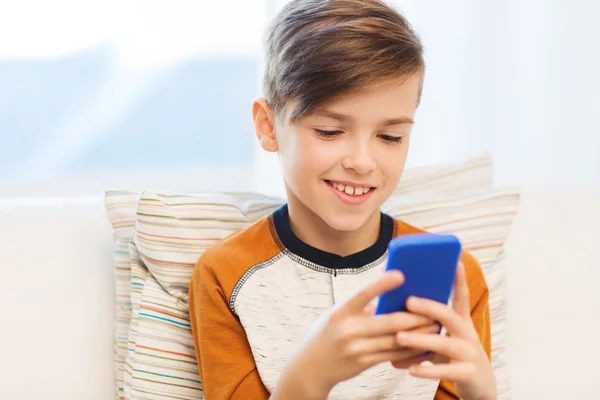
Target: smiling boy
<point x="284" y="308"/>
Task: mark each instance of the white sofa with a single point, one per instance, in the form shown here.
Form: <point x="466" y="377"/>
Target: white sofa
<point x="57" y="297"/>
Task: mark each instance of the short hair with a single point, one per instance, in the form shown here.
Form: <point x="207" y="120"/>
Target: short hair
<point x="318" y="50"/>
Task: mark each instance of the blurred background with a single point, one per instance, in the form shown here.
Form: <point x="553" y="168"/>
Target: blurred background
<point x="129" y="94"/>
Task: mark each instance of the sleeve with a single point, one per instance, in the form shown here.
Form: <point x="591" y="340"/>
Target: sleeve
<point x="480" y="314"/>
<point x="225" y="361"/>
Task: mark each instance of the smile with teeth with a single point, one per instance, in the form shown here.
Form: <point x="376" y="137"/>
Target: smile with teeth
<point x="350" y="190"/>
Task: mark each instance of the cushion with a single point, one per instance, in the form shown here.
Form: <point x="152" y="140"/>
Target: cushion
<point x="172" y="231"/>
<point x="120" y="208"/>
<point x="475" y="174"/>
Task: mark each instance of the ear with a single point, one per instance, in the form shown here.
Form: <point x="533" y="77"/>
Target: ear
<point x="264" y="124"/>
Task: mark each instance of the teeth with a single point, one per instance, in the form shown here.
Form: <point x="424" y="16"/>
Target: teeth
<point x="352" y="191"/>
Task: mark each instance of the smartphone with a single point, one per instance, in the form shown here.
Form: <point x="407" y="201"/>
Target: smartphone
<point x="428" y="262"/>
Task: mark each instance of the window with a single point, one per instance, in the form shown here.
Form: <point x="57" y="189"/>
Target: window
<point x="119" y="94"/>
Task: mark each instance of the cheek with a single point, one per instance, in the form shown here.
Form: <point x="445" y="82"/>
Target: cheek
<point x="393" y="164"/>
<point x="303" y="160"/>
<point x="313" y="157"/>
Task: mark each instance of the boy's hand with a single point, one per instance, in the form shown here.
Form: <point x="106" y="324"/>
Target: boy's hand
<point x="350" y="339"/>
<point x="467" y="364"/>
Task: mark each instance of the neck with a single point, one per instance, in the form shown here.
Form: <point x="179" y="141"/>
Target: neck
<point x="312" y="230"/>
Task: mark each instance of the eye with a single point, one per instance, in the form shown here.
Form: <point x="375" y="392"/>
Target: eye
<point x="391" y="139"/>
<point x="328" y="134"/>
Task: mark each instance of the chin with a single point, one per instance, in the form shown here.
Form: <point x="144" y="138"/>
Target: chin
<point x="347" y="222"/>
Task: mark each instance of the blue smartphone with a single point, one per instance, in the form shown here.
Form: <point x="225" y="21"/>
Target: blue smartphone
<point x="428" y="262"/>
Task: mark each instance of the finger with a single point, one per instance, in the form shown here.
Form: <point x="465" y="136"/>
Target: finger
<point x="381" y="343"/>
<point x="388" y="281"/>
<point x="389" y="356"/>
<point x="425" y="330"/>
<point x="436" y="311"/>
<point x="418" y="359"/>
<point x="369" y="310"/>
<point x="431" y="329"/>
<point x="452" y="347"/>
<point x="440" y="359"/>
<point x="389" y="324"/>
<point x="460" y="298"/>
<point x="456" y="372"/>
<point x="374" y="345"/>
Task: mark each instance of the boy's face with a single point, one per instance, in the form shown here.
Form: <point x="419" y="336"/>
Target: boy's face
<point x="344" y="160"/>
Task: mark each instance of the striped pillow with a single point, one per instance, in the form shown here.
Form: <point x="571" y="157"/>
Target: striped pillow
<point x="131" y="275"/>
<point x="139" y="277"/>
<point x="172" y="232"/>
<point x="473" y="175"/>
<point x="482" y="222"/>
<point x="120" y="208"/>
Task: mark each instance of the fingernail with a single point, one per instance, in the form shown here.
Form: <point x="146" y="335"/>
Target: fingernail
<point x="413" y="302"/>
<point x="397" y="275"/>
<point x="403" y="337"/>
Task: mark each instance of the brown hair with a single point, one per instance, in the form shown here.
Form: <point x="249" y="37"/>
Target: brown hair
<point x="317" y="50"/>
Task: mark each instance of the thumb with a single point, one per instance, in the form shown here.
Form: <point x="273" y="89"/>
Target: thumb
<point x="461" y="293"/>
<point x="369" y="310"/>
<point x="357" y="303"/>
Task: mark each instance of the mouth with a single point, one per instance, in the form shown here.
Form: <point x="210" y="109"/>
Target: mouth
<point x="350" y="193"/>
<point x="350" y="189"/>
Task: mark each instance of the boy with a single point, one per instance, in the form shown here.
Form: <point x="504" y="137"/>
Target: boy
<point x="276" y="309"/>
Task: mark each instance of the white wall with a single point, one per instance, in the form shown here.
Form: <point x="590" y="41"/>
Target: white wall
<point x="517" y="79"/>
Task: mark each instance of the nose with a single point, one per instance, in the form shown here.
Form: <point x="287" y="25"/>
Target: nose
<point x="360" y="158"/>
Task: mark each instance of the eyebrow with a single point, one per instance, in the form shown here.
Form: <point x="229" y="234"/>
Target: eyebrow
<point x="346" y="118"/>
